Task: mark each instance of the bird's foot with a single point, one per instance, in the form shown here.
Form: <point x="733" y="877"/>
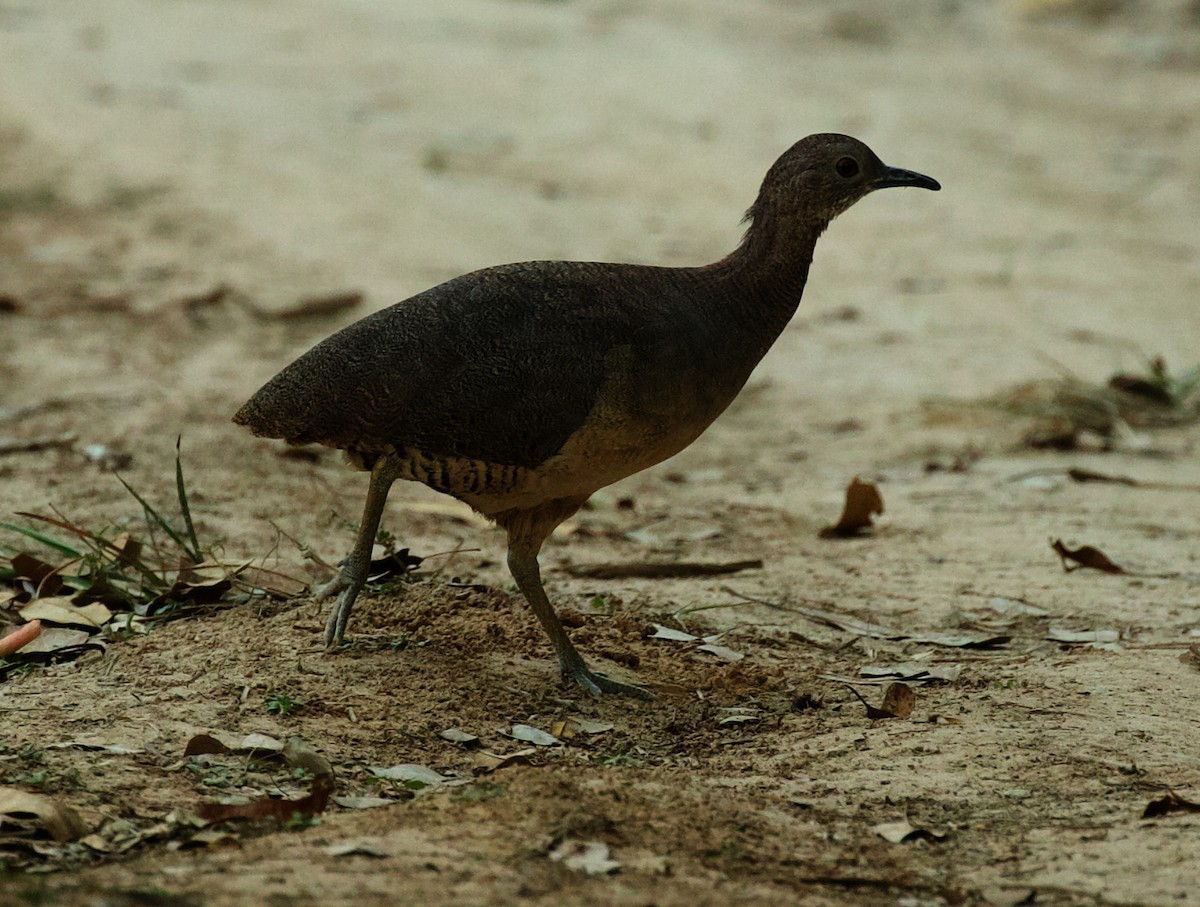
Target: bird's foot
<point x="598" y="684"/>
<point x="339" y="616"/>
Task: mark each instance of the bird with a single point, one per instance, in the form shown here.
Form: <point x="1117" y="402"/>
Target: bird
<point x="522" y="389"/>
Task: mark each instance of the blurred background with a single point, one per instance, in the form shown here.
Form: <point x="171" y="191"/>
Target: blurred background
<point x="184" y="184"/>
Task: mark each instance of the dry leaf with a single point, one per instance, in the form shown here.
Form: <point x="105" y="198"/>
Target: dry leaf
<point x="1171" y="803"/>
<point x="27" y="814"/>
<point x="458" y="735"/>
<point x="590" y="857"/>
<point x="1082" y="637"/>
<point x="527" y="734"/>
<point x="1084" y="556"/>
<point x="722" y="652"/>
<point x="409" y="772"/>
<point x="914" y="672"/>
<point x="355" y="849"/>
<point x="899" y="700"/>
<point x="863" y="503"/>
<point x="267" y="808"/>
<point x="222" y="744"/>
<point x="42" y="576"/>
<point x="484" y="762"/>
<point x="61" y="643"/>
<point x="670" y="633"/>
<point x="61" y="611"/>
<point x="903" y="832"/>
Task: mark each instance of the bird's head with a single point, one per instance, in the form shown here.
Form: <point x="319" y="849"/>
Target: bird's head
<point x="820" y="177"/>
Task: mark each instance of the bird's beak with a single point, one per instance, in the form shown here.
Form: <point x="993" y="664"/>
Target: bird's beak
<point x="894" y="176"/>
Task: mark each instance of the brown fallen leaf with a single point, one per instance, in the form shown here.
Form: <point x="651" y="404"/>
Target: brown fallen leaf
<point x="484" y="763"/>
<point x="1171" y="803"/>
<point x="42" y="576"/>
<point x="29" y="814"/>
<point x="205" y="745"/>
<point x="863" y="503"/>
<point x="899" y="699"/>
<point x="266" y="808"/>
<point x="1084" y="556"/>
<point x="898" y="702"/>
<point x="61" y="611"/>
<point x="658" y="570"/>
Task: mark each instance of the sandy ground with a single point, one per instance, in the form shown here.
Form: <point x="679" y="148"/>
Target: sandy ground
<point x="153" y="152"/>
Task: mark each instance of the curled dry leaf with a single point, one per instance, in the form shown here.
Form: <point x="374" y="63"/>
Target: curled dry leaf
<point x="43" y="577"/>
<point x="899" y="700"/>
<point x="222" y="744"/>
<point x="1171" y="803"/>
<point x="31" y="814"/>
<point x="1084" y="556"/>
<point x="904" y="832"/>
<point x="360" y="848"/>
<point x="265" y="808"/>
<point x="863" y="504"/>
<point x="485" y="763"/>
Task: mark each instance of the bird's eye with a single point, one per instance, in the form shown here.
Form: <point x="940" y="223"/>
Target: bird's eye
<point x="846" y="167"/>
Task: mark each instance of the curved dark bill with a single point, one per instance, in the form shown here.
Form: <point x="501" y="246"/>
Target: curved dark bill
<point x="894" y="176"/>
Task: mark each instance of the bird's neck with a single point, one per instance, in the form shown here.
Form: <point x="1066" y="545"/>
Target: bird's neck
<point x="766" y="273"/>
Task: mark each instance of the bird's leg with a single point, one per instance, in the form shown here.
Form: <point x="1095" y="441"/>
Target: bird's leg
<point x="523" y="564"/>
<point x="353" y="574"/>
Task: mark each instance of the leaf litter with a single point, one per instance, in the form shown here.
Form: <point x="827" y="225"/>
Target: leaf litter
<point x="143" y="579"/>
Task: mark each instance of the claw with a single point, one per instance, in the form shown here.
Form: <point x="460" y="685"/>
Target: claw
<point x="598" y="684"/>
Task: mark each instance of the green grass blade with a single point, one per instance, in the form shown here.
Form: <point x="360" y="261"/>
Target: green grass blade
<point x="160" y="520"/>
<point x="181" y="490"/>
<point x="50" y="542"/>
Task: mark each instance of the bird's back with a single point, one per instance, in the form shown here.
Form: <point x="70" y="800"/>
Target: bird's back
<point x="502" y="365"/>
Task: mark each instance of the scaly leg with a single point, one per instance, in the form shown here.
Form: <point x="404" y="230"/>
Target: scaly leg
<point x="523" y="564"/>
<point x="350" y="579"/>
